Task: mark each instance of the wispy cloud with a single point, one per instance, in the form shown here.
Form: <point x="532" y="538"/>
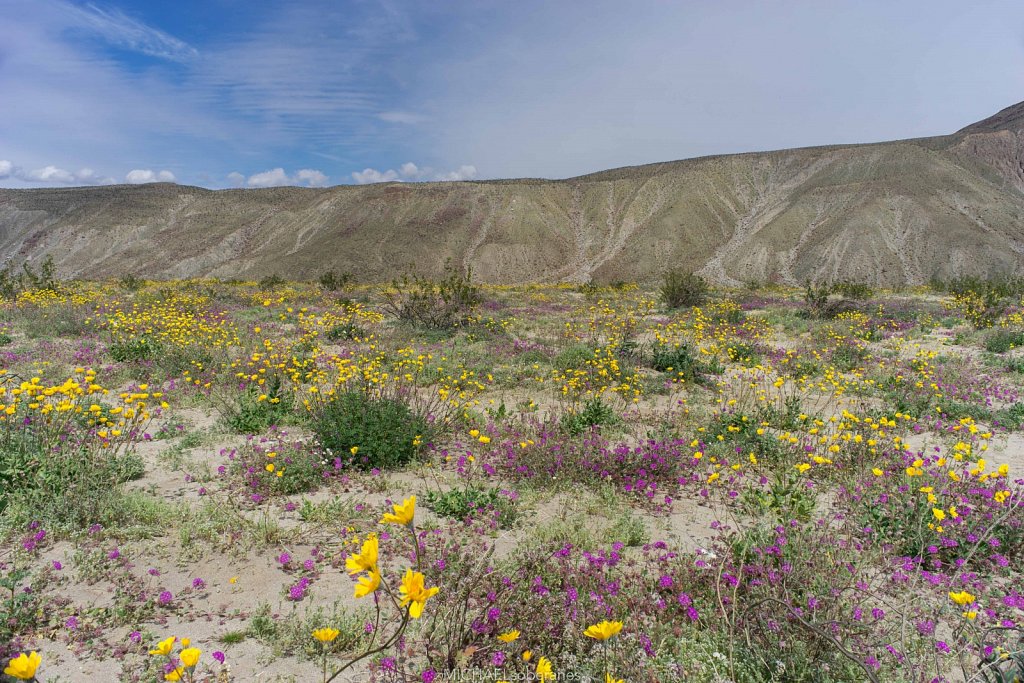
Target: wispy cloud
<point x="405" y="117"/>
<point x="313" y="74"/>
<point x="124" y="31"/>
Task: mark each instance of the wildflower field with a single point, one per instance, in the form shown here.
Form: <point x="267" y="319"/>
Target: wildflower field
<point x="440" y="481"/>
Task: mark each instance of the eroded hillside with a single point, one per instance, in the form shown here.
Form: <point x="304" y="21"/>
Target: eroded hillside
<point x="888" y="213"/>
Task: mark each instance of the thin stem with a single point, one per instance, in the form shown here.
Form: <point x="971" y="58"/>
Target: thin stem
<point x="368" y="653"/>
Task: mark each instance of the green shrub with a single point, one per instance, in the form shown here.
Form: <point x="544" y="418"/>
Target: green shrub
<point x="681" y="362"/>
<point x="574" y="357"/>
<point x="680" y="288"/>
<point x="629" y="529"/>
<point x="786" y="498"/>
<point x="386" y="432"/>
<point x="261" y="407"/>
<point x="745" y="354"/>
<point x="846" y="357"/>
<point x="464" y="503"/>
<point x="272" y="281"/>
<point x="858" y="291"/>
<point x="1002" y="340"/>
<point x="131" y="283"/>
<point x="135" y="349"/>
<point x="1011" y="417"/>
<point x="5" y="339"/>
<point x="593" y="414"/>
<point x="55" y="321"/>
<point x="344" y="332"/>
<point x="819" y="305"/>
<point x="333" y="282"/>
<point x="67" y="488"/>
<point x="441" y="305"/>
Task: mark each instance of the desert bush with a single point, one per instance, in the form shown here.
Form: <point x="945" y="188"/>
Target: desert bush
<point x="333" y="282"/>
<point x="858" y="291"/>
<point x="682" y="362"/>
<point x="66" y="488"/>
<point x="574" y="357"/>
<point x="680" y="289"/>
<point x="368" y="432"/>
<point x="61" y="320"/>
<point x="274" y="466"/>
<point x="272" y="281"/>
<point x="847" y="356"/>
<point x="261" y="406"/>
<point x="820" y="305"/>
<point x="442" y="305"/>
<point x="134" y="349"/>
<point x="1002" y="340"/>
<point x="594" y="413"/>
<point x="474" y="501"/>
<point x="345" y="332"/>
<point x="131" y="283"/>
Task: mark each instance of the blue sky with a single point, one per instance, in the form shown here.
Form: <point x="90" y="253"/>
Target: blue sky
<point x="224" y="93"/>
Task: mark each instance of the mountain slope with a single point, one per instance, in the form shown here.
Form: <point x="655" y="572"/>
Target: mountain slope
<point x="896" y="212"/>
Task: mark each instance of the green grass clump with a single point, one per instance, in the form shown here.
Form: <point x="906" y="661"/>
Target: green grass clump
<point x="594" y="413"/>
<point x="464" y="503"/>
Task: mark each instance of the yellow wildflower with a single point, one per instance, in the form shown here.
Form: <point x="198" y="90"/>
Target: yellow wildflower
<point x="403" y="513"/>
<point x="962" y="598"/>
<point x="544" y="672"/>
<point x="368" y="584"/>
<point x="414" y="592"/>
<point x="325" y="635"/>
<point x="23" y="667"/>
<point x="365" y="559"/>
<point x="164" y="647"/>
<point x="190" y="656"/>
<point x="604" y="630"/>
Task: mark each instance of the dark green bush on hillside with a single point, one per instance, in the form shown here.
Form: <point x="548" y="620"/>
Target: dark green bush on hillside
<point x="441" y="305"/>
<point x="680" y="288"/>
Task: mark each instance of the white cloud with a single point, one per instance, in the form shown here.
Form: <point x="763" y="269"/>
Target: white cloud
<point x="372" y="175"/>
<point x="411" y="172"/>
<point x="311" y="177"/>
<point x="271" y="178"/>
<point x="144" y="175"/>
<point x="464" y="172"/>
<point x="236" y="179"/>
<point x="276" y="177"/>
<point x="87" y="176"/>
<point x="50" y="174"/>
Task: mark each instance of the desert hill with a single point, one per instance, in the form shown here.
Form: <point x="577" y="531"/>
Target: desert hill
<point x="886" y="213"/>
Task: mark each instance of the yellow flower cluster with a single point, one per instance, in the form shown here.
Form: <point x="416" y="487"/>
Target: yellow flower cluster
<point x="179" y="320"/>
